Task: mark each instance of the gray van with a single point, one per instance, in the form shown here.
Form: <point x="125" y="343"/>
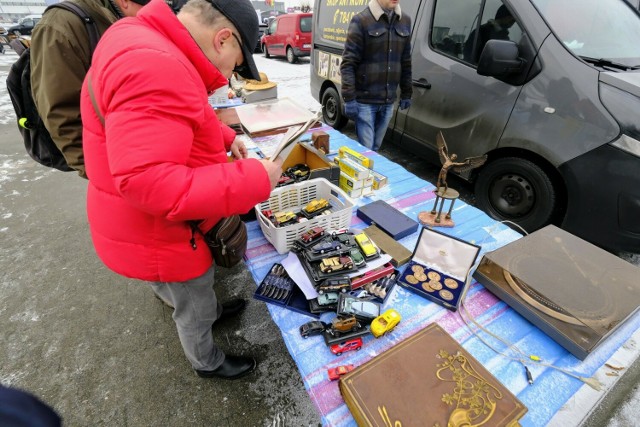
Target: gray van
<point x="551" y="94"/>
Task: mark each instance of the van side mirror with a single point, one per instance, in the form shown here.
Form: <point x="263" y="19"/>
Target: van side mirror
<point x="499" y="58"/>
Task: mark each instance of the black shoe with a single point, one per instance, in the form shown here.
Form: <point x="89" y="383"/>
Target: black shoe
<point x="231" y="308"/>
<point x="233" y="367"/>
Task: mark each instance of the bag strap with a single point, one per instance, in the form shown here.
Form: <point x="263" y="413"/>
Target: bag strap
<point x="92" y="95"/>
<point x="89" y="22"/>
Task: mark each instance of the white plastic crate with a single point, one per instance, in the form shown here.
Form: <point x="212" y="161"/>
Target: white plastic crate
<point x="293" y="198"/>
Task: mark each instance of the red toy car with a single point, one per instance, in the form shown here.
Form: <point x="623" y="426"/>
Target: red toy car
<point x="353" y="344"/>
<point x="338" y="371"/>
<point x="311" y="235"/>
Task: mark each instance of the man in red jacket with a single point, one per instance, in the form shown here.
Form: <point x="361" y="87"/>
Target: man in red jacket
<point x="158" y="158"/>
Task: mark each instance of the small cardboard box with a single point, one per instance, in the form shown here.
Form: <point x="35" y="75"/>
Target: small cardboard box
<point x="348" y="183"/>
<point x="439" y="268"/>
<point x="355" y="156"/>
<point x="320" y="166"/>
<point x="353" y="169"/>
<point x="379" y="180"/>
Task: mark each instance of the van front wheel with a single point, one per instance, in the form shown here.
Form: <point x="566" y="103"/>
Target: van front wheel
<point x="265" y="49"/>
<point x="291" y="57"/>
<point x="517" y="190"/>
<point x="332" y="109"/>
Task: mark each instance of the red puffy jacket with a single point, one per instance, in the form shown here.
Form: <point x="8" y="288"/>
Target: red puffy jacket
<point x="161" y="158"/>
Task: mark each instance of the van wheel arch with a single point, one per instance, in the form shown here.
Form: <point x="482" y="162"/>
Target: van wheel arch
<point x="332" y="109"/>
<point x="518" y="189"/>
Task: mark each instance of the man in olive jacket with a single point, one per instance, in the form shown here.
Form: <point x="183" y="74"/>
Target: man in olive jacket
<point x="60" y="58"/>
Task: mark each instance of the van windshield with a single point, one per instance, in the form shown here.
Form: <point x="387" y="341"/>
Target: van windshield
<point x="602" y="29"/>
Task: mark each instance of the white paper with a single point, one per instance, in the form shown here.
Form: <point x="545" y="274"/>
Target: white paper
<point x="296" y="271"/>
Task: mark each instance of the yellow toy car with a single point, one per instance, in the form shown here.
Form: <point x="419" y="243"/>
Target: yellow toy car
<point x="368" y="248"/>
<point x="385" y="322"/>
<point x="284" y="217"/>
<point x="316" y="205"/>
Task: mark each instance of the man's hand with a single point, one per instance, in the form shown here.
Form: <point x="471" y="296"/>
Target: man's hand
<point x="351" y="109"/>
<point x="238" y="150"/>
<point x="405" y="103"/>
<point x="274" y="170"/>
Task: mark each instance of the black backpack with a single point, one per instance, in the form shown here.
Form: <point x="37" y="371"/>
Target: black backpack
<point x="36" y="138"/>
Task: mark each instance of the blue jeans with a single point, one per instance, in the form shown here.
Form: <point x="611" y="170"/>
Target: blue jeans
<point x="371" y="124"/>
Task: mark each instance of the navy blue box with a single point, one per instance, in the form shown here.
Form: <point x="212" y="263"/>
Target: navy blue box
<point x="388" y="219"/>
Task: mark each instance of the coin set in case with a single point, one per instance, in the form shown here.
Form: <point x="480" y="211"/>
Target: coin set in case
<point x="439" y="268"/>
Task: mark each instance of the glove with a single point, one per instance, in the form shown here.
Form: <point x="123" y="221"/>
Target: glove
<point x="405" y="103"/>
<point x="351" y="109"/>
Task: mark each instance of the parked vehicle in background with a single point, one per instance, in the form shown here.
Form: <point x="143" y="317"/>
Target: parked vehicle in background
<point x="552" y="102"/>
<point x="261" y="30"/>
<point x="24" y="26"/>
<point x="288" y="35"/>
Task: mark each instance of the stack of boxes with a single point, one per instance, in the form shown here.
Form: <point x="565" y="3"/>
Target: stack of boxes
<point x="357" y="178"/>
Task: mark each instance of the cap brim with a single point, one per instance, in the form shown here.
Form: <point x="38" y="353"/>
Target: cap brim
<point x="250" y="70"/>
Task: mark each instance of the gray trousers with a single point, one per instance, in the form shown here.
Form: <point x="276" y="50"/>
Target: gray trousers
<point x="195" y="309"/>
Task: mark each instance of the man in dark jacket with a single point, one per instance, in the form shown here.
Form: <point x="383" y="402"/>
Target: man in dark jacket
<point x="376" y="59"/>
<point x="60" y="58"/>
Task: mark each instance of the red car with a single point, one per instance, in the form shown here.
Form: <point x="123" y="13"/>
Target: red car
<point x="338" y="371"/>
<point x="311" y="235"/>
<point x="353" y="344"/>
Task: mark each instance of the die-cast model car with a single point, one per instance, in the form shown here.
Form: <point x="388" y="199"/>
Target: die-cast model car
<point x="312" y="234"/>
<point x="315" y="327"/>
<point x="324" y="247"/>
<point x="340" y="284"/>
<point x="353" y="344"/>
<point x="385" y="322"/>
<point x="316" y="205"/>
<point x="338" y="371"/>
<point x="329" y="265"/>
<point x="365" y="244"/>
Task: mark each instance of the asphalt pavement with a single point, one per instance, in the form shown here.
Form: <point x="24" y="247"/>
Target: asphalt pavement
<point x="99" y="348"/>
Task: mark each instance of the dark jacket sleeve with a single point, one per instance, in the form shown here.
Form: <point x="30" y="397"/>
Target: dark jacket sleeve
<point x="351" y="59"/>
<point x="406" y="84"/>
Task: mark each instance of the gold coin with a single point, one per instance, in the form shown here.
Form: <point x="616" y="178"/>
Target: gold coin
<point x="451" y="284"/>
<point x="433" y="276"/>
<point x="421" y="277"/>
<point x="417" y="268"/>
<point x="445" y="294"/>
<point x="411" y="279"/>
<point x="435" y="285"/>
<point x="427" y="288"/>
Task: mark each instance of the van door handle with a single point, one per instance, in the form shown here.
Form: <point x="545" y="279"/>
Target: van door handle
<point x="423" y="83"/>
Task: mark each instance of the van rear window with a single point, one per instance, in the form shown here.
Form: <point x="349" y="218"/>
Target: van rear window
<point x="305" y="24"/>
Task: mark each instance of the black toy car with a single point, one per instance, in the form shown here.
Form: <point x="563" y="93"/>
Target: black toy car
<point x="315" y="327"/>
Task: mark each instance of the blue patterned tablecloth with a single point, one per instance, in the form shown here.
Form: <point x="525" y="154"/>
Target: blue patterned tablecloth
<point x="554" y="397"/>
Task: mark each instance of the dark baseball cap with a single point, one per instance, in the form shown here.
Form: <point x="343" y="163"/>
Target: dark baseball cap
<point x="243" y="16"/>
